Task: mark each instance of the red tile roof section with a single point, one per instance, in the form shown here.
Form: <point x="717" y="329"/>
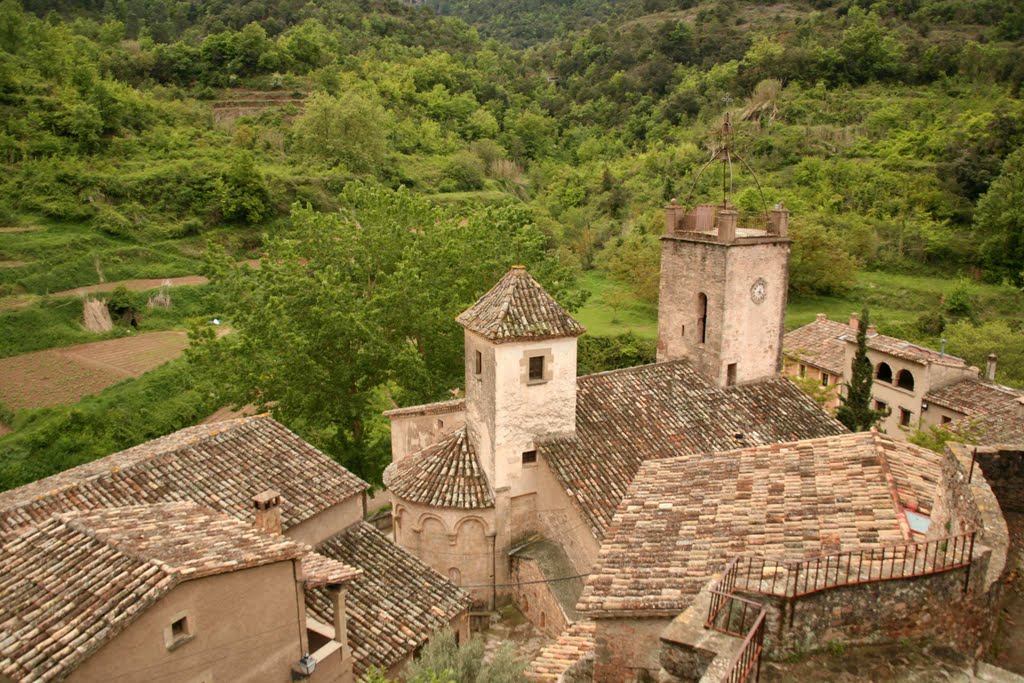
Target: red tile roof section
<point x="684" y="518"/>
<point x="517" y="307"/>
<point x="446" y="474"/>
<point x="394" y="607"/>
<point x="221" y="465"/>
<point x="626" y="417"/>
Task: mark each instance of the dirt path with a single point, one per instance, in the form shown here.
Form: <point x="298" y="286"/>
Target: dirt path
<point x="66" y="375"/>
<point x="134" y="285"/>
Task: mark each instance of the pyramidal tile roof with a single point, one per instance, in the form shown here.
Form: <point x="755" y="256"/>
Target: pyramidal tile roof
<point x="518" y="308"/>
<point x="446" y="474"/>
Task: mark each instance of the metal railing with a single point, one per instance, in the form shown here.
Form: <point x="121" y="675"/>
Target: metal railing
<point x="794" y="579"/>
<point x="748" y="659"/>
<point x="736" y="616"/>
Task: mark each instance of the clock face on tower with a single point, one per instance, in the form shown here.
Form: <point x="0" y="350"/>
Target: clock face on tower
<point x="758" y="290"/>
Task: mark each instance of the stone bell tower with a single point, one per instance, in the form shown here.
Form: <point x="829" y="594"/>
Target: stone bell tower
<point x="520" y="360"/>
<point x="723" y="286"/>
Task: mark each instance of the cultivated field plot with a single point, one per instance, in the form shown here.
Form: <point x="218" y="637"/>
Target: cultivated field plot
<point x="65" y="375"/>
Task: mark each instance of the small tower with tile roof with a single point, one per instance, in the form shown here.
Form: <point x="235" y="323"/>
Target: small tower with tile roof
<point x="520" y="354"/>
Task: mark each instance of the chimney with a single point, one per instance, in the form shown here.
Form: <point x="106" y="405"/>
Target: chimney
<point x="727" y="225"/>
<point x="821" y="317"/>
<point x="673" y="216"/>
<point x="990" y="367"/>
<point x="872" y="331"/>
<point x="778" y="221"/>
<point x="268" y="511"/>
<point x="854" y="321"/>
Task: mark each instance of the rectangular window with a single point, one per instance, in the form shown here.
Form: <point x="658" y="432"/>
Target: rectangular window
<point x="803" y="370"/>
<point x="880" y="405"/>
<point x="529" y="457"/>
<point x="479" y="363"/>
<point x="824" y="379"/>
<point x="536" y="367"/>
<point x="904" y="417"/>
<point x="730" y="375"/>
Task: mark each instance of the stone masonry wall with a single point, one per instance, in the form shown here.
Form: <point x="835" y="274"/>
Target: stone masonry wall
<point x="955" y="510"/>
<point x="934" y="607"/>
<point x="627" y="650"/>
<point x="1004" y="470"/>
<point x="534" y="597"/>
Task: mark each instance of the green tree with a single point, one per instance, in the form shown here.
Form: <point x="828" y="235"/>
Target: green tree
<point x="976" y="342"/>
<point x="819" y="262"/>
<point x="443" y="661"/>
<point x="351" y="308"/>
<point x="241" y="192"/>
<point x="999" y="221"/>
<point x="635" y="261"/>
<point x="347" y="130"/>
<point x="855" y="410"/>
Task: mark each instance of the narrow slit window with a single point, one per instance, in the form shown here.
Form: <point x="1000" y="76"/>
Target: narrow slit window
<point x="478" y="366"/>
<point x="536" y="367"/>
<point x="702" y="317"/>
<point x="730" y="375"/>
<point x="803" y="370"/>
<point x="824" y="379"/>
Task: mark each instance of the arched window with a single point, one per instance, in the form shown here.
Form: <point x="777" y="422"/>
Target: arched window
<point x="905" y="380"/>
<point x="884" y="373"/>
<point x="455" y="576"/>
<point x="702" y="317"/>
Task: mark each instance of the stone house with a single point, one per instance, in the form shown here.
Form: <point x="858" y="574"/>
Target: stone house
<point x="259" y="473"/>
<point x="920" y="387"/>
<point x="535" y="454"/>
<point x="684" y="518"/>
<point x="162" y="592"/>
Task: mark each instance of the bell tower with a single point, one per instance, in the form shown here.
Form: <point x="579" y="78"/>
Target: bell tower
<point x="723" y="285"/>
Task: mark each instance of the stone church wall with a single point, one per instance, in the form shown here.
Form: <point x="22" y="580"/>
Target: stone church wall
<point x="534" y="597"/>
<point x="457" y="544"/>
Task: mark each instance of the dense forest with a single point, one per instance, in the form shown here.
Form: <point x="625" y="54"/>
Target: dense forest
<point x="386" y="162"/>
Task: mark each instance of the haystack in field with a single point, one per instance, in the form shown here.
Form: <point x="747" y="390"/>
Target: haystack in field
<point x="95" y="316"/>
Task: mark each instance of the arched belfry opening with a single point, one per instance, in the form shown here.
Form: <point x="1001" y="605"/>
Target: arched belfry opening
<point x="724" y="272"/>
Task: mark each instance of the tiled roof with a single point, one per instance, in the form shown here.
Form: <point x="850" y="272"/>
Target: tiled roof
<point x="446" y="474"/>
<point x="453" y="406"/>
<point x="518" y="308"/>
<point x="973" y="396"/>
<point x="684" y="518"/>
<point x="994" y="414"/>
<point x="901" y="348"/>
<point x="73" y="582"/>
<point x="818" y="344"/>
<point x="396" y="604"/>
<point x="571" y="646"/>
<point x="220" y="465"/>
<point x="626" y="417"/>
<point x="318" y="570"/>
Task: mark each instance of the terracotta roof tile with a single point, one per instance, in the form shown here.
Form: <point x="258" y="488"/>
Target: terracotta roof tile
<point x="319" y="570"/>
<point x="396" y="604"/>
<point x="518" y="308"/>
<point x="221" y="465"/>
<point x="626" y="417"/>
<point x="446" y="474"/>
<point x="819" y="344"/>
<point x="73" y="582"/>
<point x="973" y="396"/>
<point x="683" y="518"/>
<point x="573" y="644"/>
<point x="441" y="407"/>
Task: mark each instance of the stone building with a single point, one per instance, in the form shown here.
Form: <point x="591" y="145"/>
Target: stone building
<point x="536" y="457"/>
<point x="920" y="387"/>
<point x="251" y="472"/>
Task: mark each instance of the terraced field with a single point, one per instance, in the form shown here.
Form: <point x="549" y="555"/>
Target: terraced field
<point x="65" y="375"/>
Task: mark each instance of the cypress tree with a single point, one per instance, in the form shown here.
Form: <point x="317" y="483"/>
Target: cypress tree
<point x="856" y="411"/>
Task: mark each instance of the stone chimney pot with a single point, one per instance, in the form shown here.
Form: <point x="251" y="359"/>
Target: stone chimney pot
<point x="821" y="317"/>
<point x="778" y="221"/>
<point x="990" y="367"/>
<point x="727" y="225"/>
<point x="673" y="217"/>
<point x="854" y="320"/>
<point x="268" y="511"/>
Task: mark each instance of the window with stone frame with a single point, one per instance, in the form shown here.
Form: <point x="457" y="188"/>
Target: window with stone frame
<point x="536" y="368"/>
<point x="905" y="416"/>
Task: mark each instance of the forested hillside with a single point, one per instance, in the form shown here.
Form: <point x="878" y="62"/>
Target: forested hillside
<point x="433" y="146"/>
